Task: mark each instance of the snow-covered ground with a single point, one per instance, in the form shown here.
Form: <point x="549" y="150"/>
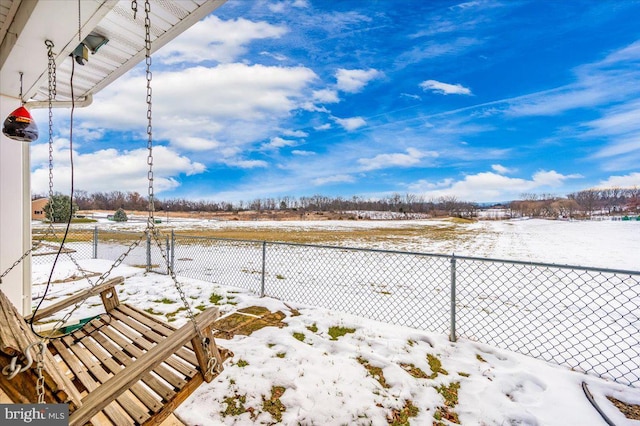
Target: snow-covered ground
<point x="334" y="382"/>
<point x="603" y="244"/>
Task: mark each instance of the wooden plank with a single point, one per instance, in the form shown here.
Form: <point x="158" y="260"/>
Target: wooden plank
<point x="145" y="319"/>
<point x="164" y="329"/>
<point x="9" y="343"/>
<point x="114" y="353"/>
<point x="112" y="411"/>
<point x="109" y="299"/>
<point x="96" y="401"/>
<point x="18" y="337"/>
<point x="203" y="355"/>
<point x="72" y="300"/>
<point x="148" y="318"/>
<point x="84" y="356"/>
<point x="135" y="350"/>
<point x="170" y="406"/>
<point x="188" y="357"/>
<point x="107" y="360"/>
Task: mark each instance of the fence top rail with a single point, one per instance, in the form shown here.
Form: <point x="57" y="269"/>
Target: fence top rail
<point x="436" y="255"/>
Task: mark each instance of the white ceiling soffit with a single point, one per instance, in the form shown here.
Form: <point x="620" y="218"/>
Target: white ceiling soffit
<point x="23" y="47"/>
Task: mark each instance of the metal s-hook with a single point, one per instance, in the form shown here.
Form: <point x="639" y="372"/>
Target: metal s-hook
<point x="21" y="97"/>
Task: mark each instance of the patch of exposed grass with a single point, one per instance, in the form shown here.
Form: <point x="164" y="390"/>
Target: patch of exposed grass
<point x="299" y="336"/>
<point x="215" y="299"/>
<point x="313" y="328"/>
<point x="280" y="277"/>
<point x="450" y="395"/>
<point x="273" y="405"/>
<point x="201" y="308"/>
<point x="479" y="358"/>
<point x="414" y="371"/>
<point x="235" y="405"/>
<point x="152" y="311"/>
<point x="401" y="417"/>
<point x="451" y="231"/>
<point x="83" y="220"/>
<point x="336" y="331"/>
<point x="463" y="374"/>
<point x="171" y="316"/>
<point x="242" y="363"/>
<point x="436" y="366"/>
<point x="375" y="372"/>
<point x="281" y="354"/>
<point x="164" y="300"/>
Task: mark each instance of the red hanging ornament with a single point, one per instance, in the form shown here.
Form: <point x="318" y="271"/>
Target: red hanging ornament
<point x="20" y="126"/>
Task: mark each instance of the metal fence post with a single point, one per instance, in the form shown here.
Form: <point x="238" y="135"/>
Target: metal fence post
<point x="95" y="242"/>
<point x="264" y="261"/>
<point x="452" y="335"/>
<point x="166" y="239"/>
<point x="172" y="257"/>
<point x="148" y="251"/>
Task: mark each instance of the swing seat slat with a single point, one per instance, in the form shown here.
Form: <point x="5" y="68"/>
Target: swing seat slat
<point x="125" y="368"/>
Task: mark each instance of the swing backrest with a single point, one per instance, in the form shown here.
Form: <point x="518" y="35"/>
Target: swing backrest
<point x="15" y="337"/>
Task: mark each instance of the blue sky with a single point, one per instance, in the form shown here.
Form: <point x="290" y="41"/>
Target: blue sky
<point x="483" y="100"/>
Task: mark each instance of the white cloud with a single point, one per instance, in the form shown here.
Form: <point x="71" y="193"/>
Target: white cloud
<point x="501" y="169"/>
<point x="278" y="142"/>
<point x="382" y="161"/>
<point x="411" y="96"/>
<point x="325" y="126"/>
<point x="350" y="124"/>
<point x="213" y="39"/>
<point x="632" y="180"/>
<point x="281" y="6"/>
<point x="109" y="169"/>
<point x="195" y="143"/>
<point x="231" y="104"/>
<point x="352" y="81"/>
<point x="247" y="164"/>
<point x="489" y="186"/>
<point x="295" y="133"/>
<point x="552" y="178"/>
<point x="444" y="88"/>
<point x="333" y="179"/>
<point x="302" y="153"/>
<point x="326" y="96"/>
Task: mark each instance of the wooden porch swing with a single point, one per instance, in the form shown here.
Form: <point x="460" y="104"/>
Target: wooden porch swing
<point x="124" y="367"/>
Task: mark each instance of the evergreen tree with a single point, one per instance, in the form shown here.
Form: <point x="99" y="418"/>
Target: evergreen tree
<point x="58" y="208"/>
<point x="120" y="215"/>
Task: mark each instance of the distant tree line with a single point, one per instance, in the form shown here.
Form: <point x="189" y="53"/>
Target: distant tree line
<point x="582" y="203"/>
<point x="586" y="203"/>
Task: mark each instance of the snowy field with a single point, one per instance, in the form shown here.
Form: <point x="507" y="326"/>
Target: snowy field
<point x="379" y="372"/>
<point x="604" y="244"/>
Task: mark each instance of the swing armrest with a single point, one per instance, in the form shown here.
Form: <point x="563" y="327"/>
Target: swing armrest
<point x="98" y="399"/>
<point x="72" y="300"/>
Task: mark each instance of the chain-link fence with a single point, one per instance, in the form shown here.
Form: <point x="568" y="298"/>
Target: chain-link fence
<point x="585" y="318"/>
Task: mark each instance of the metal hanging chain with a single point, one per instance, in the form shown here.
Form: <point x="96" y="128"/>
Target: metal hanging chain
<point x="39" y="370"/>
<point x="147" y="46"/>
<point x="52" y="89"/>
<point x="211" y="360"/>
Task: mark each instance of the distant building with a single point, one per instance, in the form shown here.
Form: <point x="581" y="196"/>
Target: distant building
<point x="37" y="209"/>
